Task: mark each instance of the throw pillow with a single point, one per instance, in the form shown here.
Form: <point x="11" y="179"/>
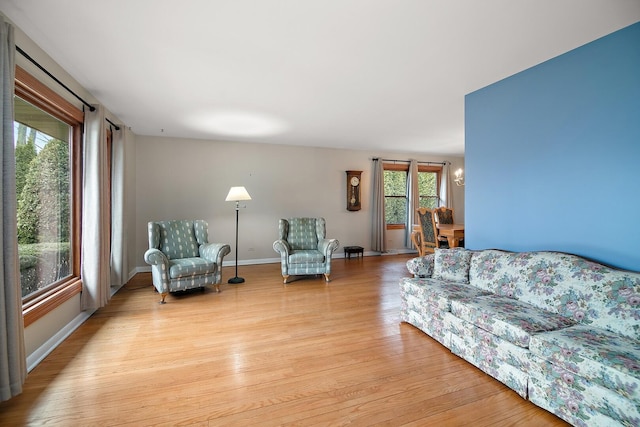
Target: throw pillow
<point x="452" y="265"/>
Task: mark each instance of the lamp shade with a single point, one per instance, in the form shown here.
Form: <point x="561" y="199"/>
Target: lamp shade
<point x="236" y="194"/>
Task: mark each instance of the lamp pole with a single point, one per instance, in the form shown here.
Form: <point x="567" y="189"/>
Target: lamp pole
<point x="236" y="280"/>
<point x="236" y="194"/>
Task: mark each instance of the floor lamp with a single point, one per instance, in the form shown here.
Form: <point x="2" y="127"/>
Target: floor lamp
<point x="236" y="194"/>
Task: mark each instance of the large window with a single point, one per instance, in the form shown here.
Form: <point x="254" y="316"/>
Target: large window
<point x="47" y="133"/>
<point x="395" y="191"/>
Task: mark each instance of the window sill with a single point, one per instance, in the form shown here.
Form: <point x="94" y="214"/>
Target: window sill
<point x="396" y="227"/>
<point x="46" y="303"/>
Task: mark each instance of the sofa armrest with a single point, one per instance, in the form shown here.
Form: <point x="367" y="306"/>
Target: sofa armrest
<point x="421" y="266"/>
<point x="214" y="252"/>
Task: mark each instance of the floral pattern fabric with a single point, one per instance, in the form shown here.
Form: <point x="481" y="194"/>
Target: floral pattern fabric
<point x="577" y="400"/>
<point x="585" y="291"/>
<point x="507" y="318"/>
<point x="421" y="266"/>
<point x="602" y="357"/>
<point x="452" y="264"/>
<point x="558" y="329"/>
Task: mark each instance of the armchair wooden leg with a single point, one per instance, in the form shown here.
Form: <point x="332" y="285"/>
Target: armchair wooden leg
<point x="218" y="288"/>
<point x="326" y="277"/>
<point x="285" y="279"/>
<point x="163" y="296"/>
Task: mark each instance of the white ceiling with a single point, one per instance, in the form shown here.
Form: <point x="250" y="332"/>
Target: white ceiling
<point x="386" y="75"/>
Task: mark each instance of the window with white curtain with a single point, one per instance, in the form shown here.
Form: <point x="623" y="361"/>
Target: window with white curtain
<point x="47" y="136"/>
<point x="395" y="191"/>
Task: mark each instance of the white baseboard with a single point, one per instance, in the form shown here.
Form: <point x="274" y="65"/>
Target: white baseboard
<point x="43" y="351"/>
<point x="231" y="263"/>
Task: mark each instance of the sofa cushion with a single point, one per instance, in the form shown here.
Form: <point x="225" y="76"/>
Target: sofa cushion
<point x="603" y="357"/>
<point x="184" y="267"/>
<point x="452" y="264"/>
<point x="583" y="290"/>
<point x="437" y="293"/>
<point x="510" y="319"/>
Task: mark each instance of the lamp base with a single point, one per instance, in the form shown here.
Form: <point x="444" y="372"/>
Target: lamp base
<point x="236" y="280"/>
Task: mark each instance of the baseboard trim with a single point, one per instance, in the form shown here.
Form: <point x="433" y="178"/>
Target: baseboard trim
<point x="43" y="351"/>
<point x="231" y="263"/>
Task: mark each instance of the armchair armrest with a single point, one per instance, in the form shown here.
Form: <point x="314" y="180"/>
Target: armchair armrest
<point x="328" y="246"/>
<point x="156" y="257"/>
<point x="214" y="252"/>
<point x="159" y="269"/>
<point x="282" y="246"/>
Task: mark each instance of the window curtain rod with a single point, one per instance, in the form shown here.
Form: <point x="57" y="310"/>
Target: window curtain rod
<point x="34" y="62"/>
<point x="113" y="124"/>
<point x="408" y="161"/>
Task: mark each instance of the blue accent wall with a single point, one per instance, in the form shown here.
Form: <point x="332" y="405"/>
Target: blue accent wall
<point x="552" y="155"/>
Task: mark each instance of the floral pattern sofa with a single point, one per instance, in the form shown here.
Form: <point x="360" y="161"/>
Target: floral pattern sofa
<point x="561" y="331"/>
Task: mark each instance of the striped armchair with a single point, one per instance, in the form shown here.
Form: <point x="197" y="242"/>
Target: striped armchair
<point x="181" y="256"/>
<point x="303" y="248"/>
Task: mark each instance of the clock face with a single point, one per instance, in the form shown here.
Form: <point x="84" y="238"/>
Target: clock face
<point x="355" y="181"/>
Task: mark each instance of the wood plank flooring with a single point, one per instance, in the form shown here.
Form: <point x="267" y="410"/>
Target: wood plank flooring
<point x="264" y="354"/>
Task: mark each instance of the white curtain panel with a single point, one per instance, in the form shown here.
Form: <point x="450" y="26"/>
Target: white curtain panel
<point x="95" y="213"/>
<point x="13" y="363"/>
<point x="413" y="201"/>
<point x="118" y="249"/>
<point x="378" y="232"/>
<point x="446" y="193"/>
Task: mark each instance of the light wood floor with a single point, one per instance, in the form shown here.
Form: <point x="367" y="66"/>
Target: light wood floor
<point x="264" y="354"/>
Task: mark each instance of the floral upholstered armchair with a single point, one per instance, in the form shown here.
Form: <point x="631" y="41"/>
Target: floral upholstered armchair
<point x="303" y="247"/>
<point x="181" y="256"/>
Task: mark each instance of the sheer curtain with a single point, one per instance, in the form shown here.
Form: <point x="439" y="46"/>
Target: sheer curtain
<point x="118" y="249"/>
<point x="95" y="215"/>
<point x="446" y="193"/>
<point x="378" y="231"/>
<point x="413" y="201"/>
<point x="13" y="362"/>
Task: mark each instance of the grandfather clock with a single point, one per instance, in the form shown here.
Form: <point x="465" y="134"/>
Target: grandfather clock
<point x="353" y="190"/>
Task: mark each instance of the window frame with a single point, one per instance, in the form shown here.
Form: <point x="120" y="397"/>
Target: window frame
<point x="405" y="167"/>
<point x="30" y="89"/>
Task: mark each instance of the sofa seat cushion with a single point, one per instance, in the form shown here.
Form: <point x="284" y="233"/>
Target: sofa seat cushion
<point x="510" y="319"/>
<point x="305" y="256"/>
<point x="603" y="357"/>
<point x="185" y="267"/>
<point x="438" y="293"/>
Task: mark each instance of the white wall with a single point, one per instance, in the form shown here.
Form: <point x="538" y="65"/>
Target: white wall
<point x="189" y="179"/>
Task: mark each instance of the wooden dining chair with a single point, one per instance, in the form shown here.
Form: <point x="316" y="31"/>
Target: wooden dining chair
<point x="443" y="215"/>
<point x="425" y="240"/>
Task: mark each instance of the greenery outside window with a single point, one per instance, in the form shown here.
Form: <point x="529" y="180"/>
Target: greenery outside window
<point x="47" y="132"/>
<point x="395" y="191"/>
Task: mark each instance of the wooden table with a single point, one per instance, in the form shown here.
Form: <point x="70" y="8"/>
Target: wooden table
<point x="453" y="232"/>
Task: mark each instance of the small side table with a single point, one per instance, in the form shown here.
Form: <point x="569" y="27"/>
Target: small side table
<point x="357" y="250"/>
